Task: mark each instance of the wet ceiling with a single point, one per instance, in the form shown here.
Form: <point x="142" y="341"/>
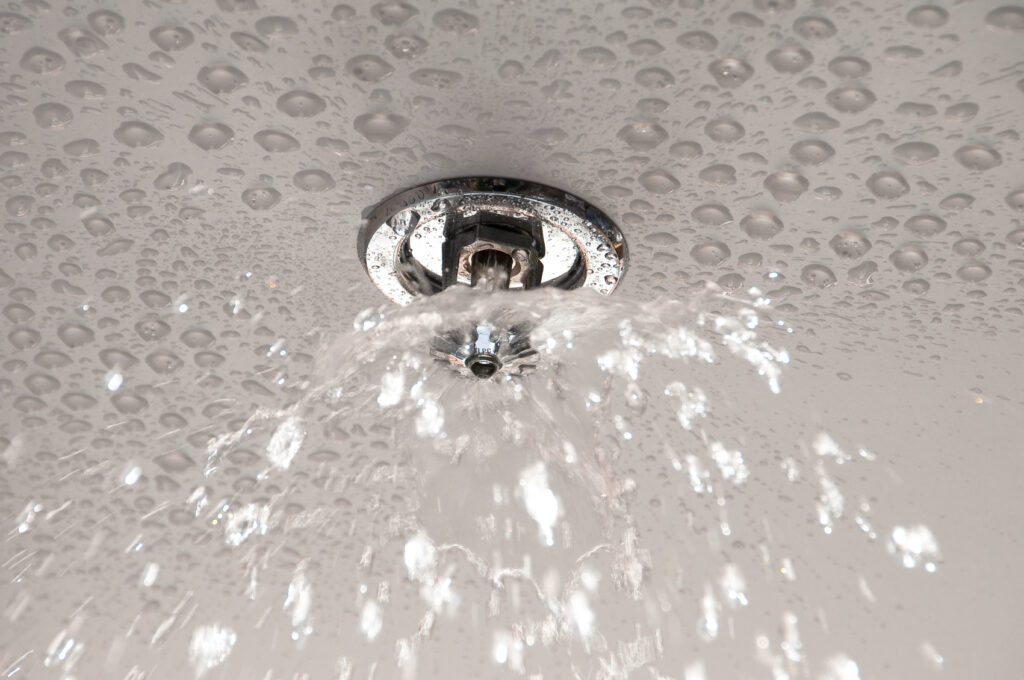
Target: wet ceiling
<point x="182" y="185"/>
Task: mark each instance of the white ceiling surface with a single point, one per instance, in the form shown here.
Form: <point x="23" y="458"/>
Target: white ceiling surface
<point x="125" y="251"/>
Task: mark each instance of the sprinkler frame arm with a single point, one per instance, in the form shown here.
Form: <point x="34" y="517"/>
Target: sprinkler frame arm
<point x="483" y="241"/>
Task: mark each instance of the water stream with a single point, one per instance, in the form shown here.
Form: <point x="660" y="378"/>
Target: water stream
<point x="629" y="502"/>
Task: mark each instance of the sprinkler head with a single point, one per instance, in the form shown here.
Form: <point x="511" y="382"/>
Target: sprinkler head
<point x="493" y="234"/>
<point x="485" y="350"/>
<point x="431" y="237"/>
<point x="483" y="365"/>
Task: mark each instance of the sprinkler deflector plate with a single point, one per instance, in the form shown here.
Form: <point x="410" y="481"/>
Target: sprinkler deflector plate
<point x="401" y="242"/>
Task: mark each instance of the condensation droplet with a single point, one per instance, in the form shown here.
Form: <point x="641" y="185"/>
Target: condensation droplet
<point x="249" y="42"/>
<point x="313" y="180"/>
<point x="719" y="174"/>
<point x="814" y="28"/>
<point x="916" y="153"/>
<point x="957" y="202"/>
<point x="850" y="99"/>
<point x="380" y="127"/>
<point x="276" y="141"/>
<point x="456" y="21"/>
<point x="818" y="276"/>
<point x="790" y="58"/>
<point x="978" y="157"/>
<point x="710" y="253"/>
<point x="85" y="89"/>
<point x="405" y="45"/>
<point x="701" y="41"/>
<point x="654" y="78"/>
<point x="928" y="16"/>
<point x="276" y="27"/>
<point x="712" y="214"/>
<point x="52" y="115"/>
<point x="642" y="136"/>
<point x="393" y="12"/>
<point x="974" y="272"/>
<point x="849" y="67"/>
<point x="11" y="23"/>
<point x="812" y="151"/>
<point x="368" y="68"/>
<point x="786" y="186"/>
<point x="730" y="72"/>
<point x="761" y="225"/>
<point x="42" y="61"/>
<point x="724" y="130"/>
<point x="172" y="38"/>
<point x="211" y="136"/>
<point x="1015" y="199"/>
<point x="658" y="181"/>
<point x="75" y="334"/>
<point x="261" y="198"/>
<point x="221" y="79"/>
<point x="887" y="184"/>
<point x="688" y="150"/>
<point x="925" y="225"/>
<point x="816" y="121"/>
<point x="909" y="258"/>
<point x="599" y="58"/>
<point x="1008" y="18"/>
<point x="850" y="244"/>
<point x="437" y="78"/>
<point x="968" y="247"/>
<point x="301" y="104"/>
<point x="916" y="286"/>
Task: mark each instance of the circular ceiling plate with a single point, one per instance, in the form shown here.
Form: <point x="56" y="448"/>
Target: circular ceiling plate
<point x="401" y="241"/>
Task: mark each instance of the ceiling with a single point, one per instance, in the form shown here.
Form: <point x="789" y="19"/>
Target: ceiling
<point x="183" y="184"/>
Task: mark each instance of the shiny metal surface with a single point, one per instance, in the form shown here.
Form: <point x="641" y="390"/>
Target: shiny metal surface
<point x="401" y="240"/>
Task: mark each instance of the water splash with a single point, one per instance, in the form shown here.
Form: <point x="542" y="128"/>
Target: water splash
<point x="519" y="496"/>
<point x="622" y="498"/>
<point x="210" y="647"/>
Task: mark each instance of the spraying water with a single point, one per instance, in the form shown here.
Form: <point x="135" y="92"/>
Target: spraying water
<point x="620" y="500"/>
<point x="606" y="505"/>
